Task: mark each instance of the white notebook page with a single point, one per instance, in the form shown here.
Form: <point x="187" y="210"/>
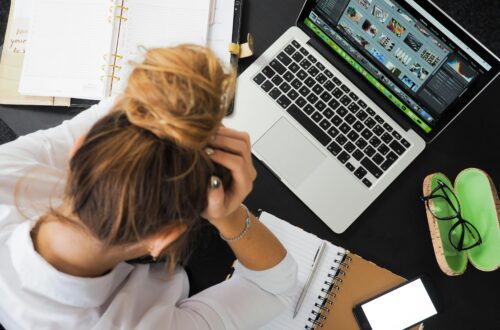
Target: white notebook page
<point x="159" y="23"/>
<point x="303" y="246"/>
<point x="65" y="51"/>
<point x="221" y="31"/>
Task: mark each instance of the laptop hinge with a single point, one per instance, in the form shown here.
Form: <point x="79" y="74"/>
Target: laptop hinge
<point x="361" y="83"/>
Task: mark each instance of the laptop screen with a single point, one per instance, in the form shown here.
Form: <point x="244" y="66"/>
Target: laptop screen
<point x="415" y="62"/>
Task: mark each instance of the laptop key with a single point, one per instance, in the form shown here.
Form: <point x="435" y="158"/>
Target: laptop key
<point x="369" y="122"/>
<point x="321" y="78"/>
<point x="343" y="157"/>
<point x="341" y="139"/>
<point x="308" y="109"/>
<point x="336" y="120"/>
<point x="296" y="83"/>
<point x="277" y="80"/>
<point x="268" y="72"/>
<point x="313" y="71"/>
<point x="275" y="93"/>
<point x="350" y="119"/>
<point x="386" y="137"/>
<point x="305" y="64"/>
<point x="290" y="49"/>
<point x="360" y="172"/>
<point x="388" y="162"/>
<point x="296" y="43"/>
<point x="341" y="111"/>
<point x="304" y="91"/>
<point x="318" y="89"/>
<point x="383" y="149"/>
<point x="370" y="111"/>
<point x="329" y="86"/>
<point x="337" y="81"/>
<point x="396" y="135"/>
<point x="310" y="82"/>
<point x="337" y="93"/>
<point x="328" y="113"/>
<point x="378" y="130"/>
<point x="328" y="73"/>
<point x="405" y="143"/>
<point x="312" y="59"/>
<point x="300" y="102"/>
<point x="312" y="98"/>
<point x="292" y="94"/>
<point x="353" y="136"/>
<point x="388" y="127"/>
<point x="320" y="66"/>
<point x="302" y="74"/>
<point x="345" y="100"/>
<point x="397" y="147"/>
<point x="285" y="87"/>
<point x="349" y="147"/>
<point x="361" y="115"/>
<point x="379" y="119"/>
<point x="294" y="67"/>
<point x="325" y="124"/>
<point x="267" y="86"/>
<point x="317" y="117"/>
<point x="344" y="128"/>
<point x="349" y="166"/>
<point x="259" y="79"/>
<point x="283" y="101"/>
<point x="378" y="159"/>
<point x="326" y="96"/>
<point x="371" y="167"/>
<point x="362" y="104"/>
<point x="283" y="57"/>
<point x="320" y="105"/>
<point x="334" y="148"/>
<point x="367" y="134"/>
<point x="358" y="154"/>
<point x="309" y="125"/>
<point x="288" y="76"/>
<point x="333" y="131"/>
<point x="277" y="66"/>
<point x="358" y="126"/>
<point x="345" y="89"/>
<point x="361" y="143"/>
<point x="369" y="151"/>
<point x="392" y="156"/>
<point x="367" y="182"/>
<point x="353" y="96"/>
<point x="304" y="51"/>
<point x="375" y="141"/>
<point x="297" y="57"/>
<point x="333" y="104"/>
<point x="353" y="107"/>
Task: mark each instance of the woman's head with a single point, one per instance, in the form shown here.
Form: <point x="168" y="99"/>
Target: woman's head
<point x="142" y="168"/>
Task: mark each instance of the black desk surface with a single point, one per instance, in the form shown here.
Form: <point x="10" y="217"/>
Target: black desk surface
<point x="393" y="231"/>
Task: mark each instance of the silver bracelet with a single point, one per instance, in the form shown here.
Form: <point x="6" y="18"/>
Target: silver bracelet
<point x="248" y="223"/>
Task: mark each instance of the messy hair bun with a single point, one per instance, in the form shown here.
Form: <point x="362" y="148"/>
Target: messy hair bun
<point x="180" y="94"/>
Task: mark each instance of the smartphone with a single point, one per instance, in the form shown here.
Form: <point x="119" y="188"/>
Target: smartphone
<point x="399" y="308"/>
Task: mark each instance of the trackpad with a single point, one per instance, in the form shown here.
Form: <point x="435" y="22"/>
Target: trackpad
<point x="288" y="152"/>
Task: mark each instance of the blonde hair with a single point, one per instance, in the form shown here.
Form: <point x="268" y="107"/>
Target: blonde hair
<point x="141" y="168"/>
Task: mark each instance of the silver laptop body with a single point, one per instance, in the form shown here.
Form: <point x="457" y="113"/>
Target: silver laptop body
<point x="335" y="191"/>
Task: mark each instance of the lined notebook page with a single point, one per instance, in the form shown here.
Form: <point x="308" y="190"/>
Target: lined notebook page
<point x="159" y="23"/>
<point x="303" y="246"/>
<point x="68" y="39"/>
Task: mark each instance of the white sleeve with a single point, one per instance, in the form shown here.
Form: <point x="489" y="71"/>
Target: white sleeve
<point x="246" y="301"/>
<point x="44" y="149"/>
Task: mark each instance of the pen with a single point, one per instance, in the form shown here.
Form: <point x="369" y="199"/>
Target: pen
<point x="315" y="264"/>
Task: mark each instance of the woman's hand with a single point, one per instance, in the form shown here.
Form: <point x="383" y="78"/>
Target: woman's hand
<point x="231" y="149"/>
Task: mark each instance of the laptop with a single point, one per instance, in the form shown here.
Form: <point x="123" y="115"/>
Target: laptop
<point x="347" y="98"/>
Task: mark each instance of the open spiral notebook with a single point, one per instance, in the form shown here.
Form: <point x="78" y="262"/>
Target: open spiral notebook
<point x="341" y="281"/>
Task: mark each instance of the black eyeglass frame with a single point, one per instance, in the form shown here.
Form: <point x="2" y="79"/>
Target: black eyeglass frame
<point x="458" y="215"/>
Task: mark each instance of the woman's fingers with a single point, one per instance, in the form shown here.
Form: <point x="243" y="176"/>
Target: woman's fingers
<point x="230" y="144"/>
<point x="242" y="170"/>
<point x="243" y="136"/>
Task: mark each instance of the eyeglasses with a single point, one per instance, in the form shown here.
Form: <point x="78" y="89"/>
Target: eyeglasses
<point x="446" y="207"/>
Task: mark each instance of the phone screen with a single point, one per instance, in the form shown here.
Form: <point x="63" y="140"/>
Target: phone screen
<point x="400" y="308"/>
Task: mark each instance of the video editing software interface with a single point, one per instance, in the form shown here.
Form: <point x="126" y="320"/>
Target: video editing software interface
<point x="418" y="67"/>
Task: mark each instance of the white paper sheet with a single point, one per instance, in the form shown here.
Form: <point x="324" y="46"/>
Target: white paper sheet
<point x="221" y="31"/>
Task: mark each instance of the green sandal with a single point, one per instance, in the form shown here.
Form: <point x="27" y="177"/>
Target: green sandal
<point x="463" y="222"/>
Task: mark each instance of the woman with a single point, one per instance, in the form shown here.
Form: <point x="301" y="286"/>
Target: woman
<point x="142" y="169"/>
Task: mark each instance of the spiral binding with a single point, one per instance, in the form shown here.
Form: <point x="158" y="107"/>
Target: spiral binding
<point x="110" y="66"/>
<point x="329" y="293"/>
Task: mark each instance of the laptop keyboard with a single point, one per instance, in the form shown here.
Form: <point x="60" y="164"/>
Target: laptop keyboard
<point x="336" y="116"/>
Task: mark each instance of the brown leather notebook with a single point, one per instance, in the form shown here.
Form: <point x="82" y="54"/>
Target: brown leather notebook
<point x="341" y="281"/>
